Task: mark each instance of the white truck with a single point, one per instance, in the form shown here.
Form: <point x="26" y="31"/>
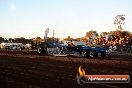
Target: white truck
<point x="12" y="46"/>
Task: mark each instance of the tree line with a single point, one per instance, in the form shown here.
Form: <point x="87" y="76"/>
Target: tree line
<point x="16" y="40"/>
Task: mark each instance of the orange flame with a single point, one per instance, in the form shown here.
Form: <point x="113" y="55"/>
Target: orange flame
<point x="81" y="71"/>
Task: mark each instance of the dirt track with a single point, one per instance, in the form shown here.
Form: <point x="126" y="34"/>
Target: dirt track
<point x="21" y="70"/>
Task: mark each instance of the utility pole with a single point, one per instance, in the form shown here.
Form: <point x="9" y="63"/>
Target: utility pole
<point x="46" y="34"/>
<point x="53" y="35"/>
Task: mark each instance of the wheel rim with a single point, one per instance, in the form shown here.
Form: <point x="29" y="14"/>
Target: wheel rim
<point x="39" y="50"/>
<point x="99" y="54"/>
<point x="84" y="54"/>
<point x="92" y="53"/>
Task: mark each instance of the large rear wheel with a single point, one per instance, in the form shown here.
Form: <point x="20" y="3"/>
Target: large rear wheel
<point x="41" y="51"/>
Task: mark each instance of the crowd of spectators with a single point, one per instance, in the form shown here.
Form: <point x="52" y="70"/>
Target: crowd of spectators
<point x="114" y="43"/>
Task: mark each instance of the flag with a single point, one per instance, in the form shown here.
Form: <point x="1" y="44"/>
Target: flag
<point x="46" y="32"/>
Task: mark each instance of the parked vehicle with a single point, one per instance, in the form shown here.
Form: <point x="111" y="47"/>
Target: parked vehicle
<point x="12" y="46"/>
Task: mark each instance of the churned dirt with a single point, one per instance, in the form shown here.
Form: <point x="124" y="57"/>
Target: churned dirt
<point x="22" y="69"/>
